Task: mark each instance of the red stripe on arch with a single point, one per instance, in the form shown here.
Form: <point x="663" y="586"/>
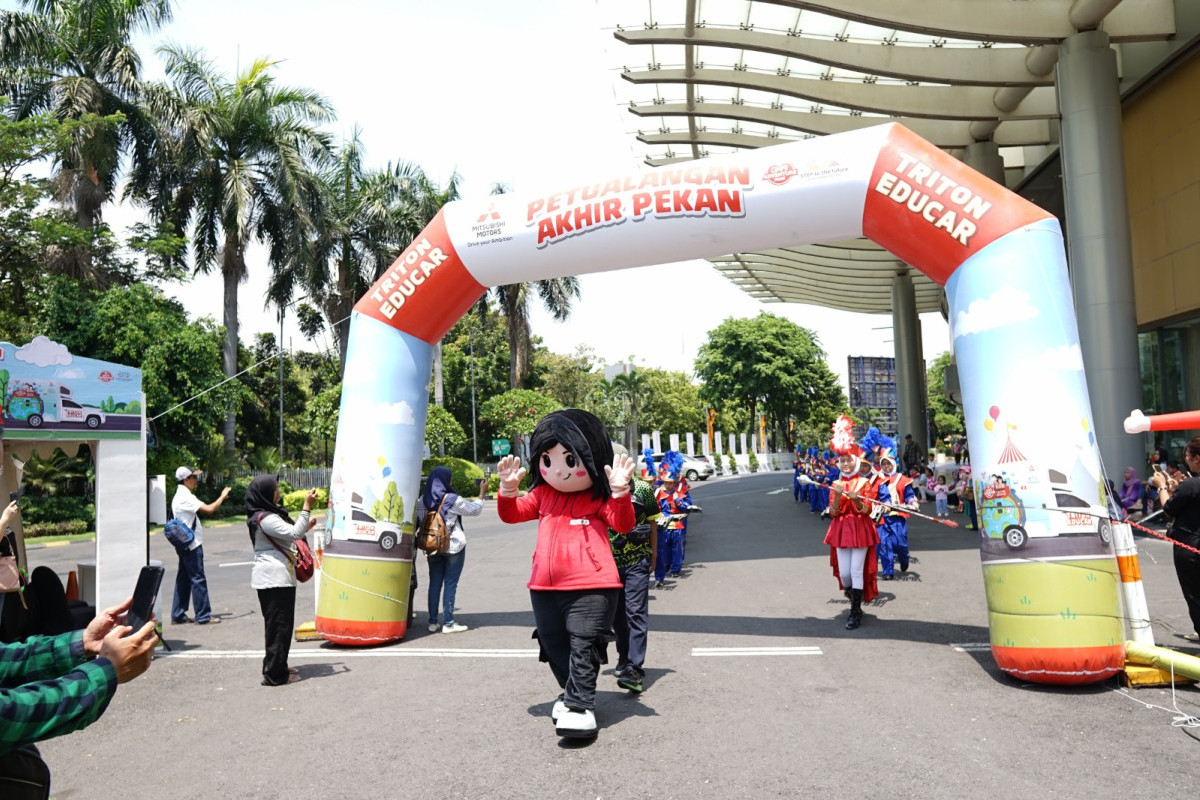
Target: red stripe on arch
<point x="934" y="212"/>
<point x="426" y="290"/>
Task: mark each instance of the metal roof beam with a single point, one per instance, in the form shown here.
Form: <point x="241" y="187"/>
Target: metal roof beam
<point x="999" y="66"/>
<point x="1041" y="22"/>
<point x="938" y="102"/>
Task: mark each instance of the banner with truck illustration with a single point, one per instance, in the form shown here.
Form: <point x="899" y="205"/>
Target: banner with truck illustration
<point x="47" y="393"/>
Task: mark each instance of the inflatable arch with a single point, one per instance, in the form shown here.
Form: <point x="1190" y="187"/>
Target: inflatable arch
<point x="1051" y="576"/>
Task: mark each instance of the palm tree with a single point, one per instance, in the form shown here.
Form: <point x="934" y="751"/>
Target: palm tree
<point x="241" y="170"/>
<point x="363" y="219"/>
<point x="72" y="58"/>
<point x="631" y="386"/>
<point x="556" y="295"/>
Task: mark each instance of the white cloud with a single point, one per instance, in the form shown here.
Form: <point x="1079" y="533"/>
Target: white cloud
<point x="43" y="352"/>
<point x="1068" y="357"/>
<point x="395" y="413"/>
<point x="1005" y="306"/>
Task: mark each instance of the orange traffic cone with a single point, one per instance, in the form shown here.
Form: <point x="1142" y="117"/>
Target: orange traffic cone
<point x="72" y="587"/>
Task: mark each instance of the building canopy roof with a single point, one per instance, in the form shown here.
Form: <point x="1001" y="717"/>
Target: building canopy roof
<point x="709" y="77"/>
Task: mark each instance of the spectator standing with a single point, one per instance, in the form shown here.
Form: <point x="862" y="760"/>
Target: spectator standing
<point x="446" y="568"/>
<point x="191" y="584"/>
<point x="273" y="576"/>
<point x="1180" y="501"/>
<point x="941" y="493"/>
<point x="912" y="455"/>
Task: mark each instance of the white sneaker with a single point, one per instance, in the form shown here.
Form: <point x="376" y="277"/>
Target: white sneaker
<point x="453" y="627"/>
<point x="559" y="709"/>
<point x="434" y="627"/>
<point x="574" y="724"/>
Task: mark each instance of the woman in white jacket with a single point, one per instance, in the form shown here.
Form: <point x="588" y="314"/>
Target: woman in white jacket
<point x="446" y="568"/>
<point x="274" y="533"/>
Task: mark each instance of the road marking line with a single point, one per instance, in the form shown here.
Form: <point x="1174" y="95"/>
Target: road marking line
<point x="237" y="564"/>
<point x="698" y="652"/>
<point x="971" y="647"/>
<point x="415" y="652"/>
<point x="779" y="491"/>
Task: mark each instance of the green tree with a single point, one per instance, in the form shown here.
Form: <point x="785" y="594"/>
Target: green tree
<point x="630" y="388"/>
<point x="516" y="412"/>
<point x="945" y="417"/>
<point x="572" y="379"/>
<point x="140" y="327"/>
<point x="73" y="58"/>
<point x="241" y="169"/>
<point x="671" y="403"/>
<point x="363" y="219"/>
<point x="442" y="428"/>
<point x="390" y="507"/>
<point x="474" y="354"/>
<point x="767" y="362"/>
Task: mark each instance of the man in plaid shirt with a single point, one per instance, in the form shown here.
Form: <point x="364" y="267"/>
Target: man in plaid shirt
<point x="51" y="685"/>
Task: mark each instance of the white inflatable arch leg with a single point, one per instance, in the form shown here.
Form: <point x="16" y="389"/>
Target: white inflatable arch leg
<point x="1050" y="573"/>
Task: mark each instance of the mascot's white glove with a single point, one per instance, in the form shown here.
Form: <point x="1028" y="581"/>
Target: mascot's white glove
<point x="619" y="474"/>
<point x="510" y="471"/>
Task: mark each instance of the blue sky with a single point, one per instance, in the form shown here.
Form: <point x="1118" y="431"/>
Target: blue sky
<point x="516" y="92"/>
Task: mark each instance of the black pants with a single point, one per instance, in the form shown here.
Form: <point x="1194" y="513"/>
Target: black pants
<point x="24" y="775"/>
<point x="573" y="629"/>
<point x="632" y="619"/>
<point x="279" y="619"/>
<point x="1187" y="569"/>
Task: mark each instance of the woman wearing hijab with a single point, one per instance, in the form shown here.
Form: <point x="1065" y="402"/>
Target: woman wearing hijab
<point x="446" y="568"/>
<point x="1131" y="491"/>
<point x="273" y="532"/>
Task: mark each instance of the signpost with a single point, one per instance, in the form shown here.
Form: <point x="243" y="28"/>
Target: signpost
<point x="501" y="447"/>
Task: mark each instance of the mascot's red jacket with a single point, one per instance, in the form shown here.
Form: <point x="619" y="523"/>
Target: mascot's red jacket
<point x="573" y="551"/>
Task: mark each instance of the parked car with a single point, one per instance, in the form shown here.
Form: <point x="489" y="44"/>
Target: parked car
<point x="694" y="468"/>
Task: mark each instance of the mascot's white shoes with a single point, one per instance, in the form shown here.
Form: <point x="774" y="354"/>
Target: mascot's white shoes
<point x="573" y="724"/>
<point x="559" y="709"/>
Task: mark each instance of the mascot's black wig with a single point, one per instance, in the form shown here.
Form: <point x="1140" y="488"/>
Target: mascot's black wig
<point x="581" y="433"/>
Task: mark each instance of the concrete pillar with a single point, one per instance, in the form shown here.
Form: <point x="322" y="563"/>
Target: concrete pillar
<point x="910" y="362"/>
<point x="985" y="158"/>
<point x="1098" y="241"/>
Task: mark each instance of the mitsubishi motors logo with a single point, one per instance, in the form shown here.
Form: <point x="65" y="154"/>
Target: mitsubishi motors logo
<point x="490" y="214"/>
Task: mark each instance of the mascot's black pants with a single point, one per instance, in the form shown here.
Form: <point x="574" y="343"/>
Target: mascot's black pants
<point x="573" y="629"/>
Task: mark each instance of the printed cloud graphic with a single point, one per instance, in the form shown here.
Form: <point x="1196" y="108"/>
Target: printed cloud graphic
<point x="395" y="413"/>
<point x="43" y="352"/>
<point x="1005" y="306"/>
<point x="1067" y="357"/>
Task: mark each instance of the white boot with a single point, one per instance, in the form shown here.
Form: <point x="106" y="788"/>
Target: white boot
<point x="559" y="709"/>
<point x="576" y="724"/>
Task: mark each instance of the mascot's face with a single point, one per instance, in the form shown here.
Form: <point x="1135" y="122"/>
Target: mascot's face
<point x="847" y="464"/>
<point x="563" y="470"/>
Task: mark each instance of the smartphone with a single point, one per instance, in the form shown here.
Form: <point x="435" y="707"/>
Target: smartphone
<point x="15" y="497"/>
<point x="144" y="595"/>
<point x="1160" y="468"/>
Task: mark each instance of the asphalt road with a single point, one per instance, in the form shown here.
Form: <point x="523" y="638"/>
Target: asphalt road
<point x="755" y="689"/>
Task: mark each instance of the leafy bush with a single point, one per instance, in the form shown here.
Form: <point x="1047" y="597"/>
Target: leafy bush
<point x="717" y="465"/>
<point x="294" y="501"/>
<point x="69" y="527"/>
<point x="753" y="462"/>
<point x="463" y="474"/>
<point x="63" y="508"/>
<point x="733" y="470"/>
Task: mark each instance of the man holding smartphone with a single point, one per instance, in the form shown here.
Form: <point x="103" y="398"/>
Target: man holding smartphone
<point x="191" y="584"/>
<point x="51" y="685"/>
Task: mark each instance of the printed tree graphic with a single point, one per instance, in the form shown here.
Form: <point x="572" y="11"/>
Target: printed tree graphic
<point x="390" y="507"/>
